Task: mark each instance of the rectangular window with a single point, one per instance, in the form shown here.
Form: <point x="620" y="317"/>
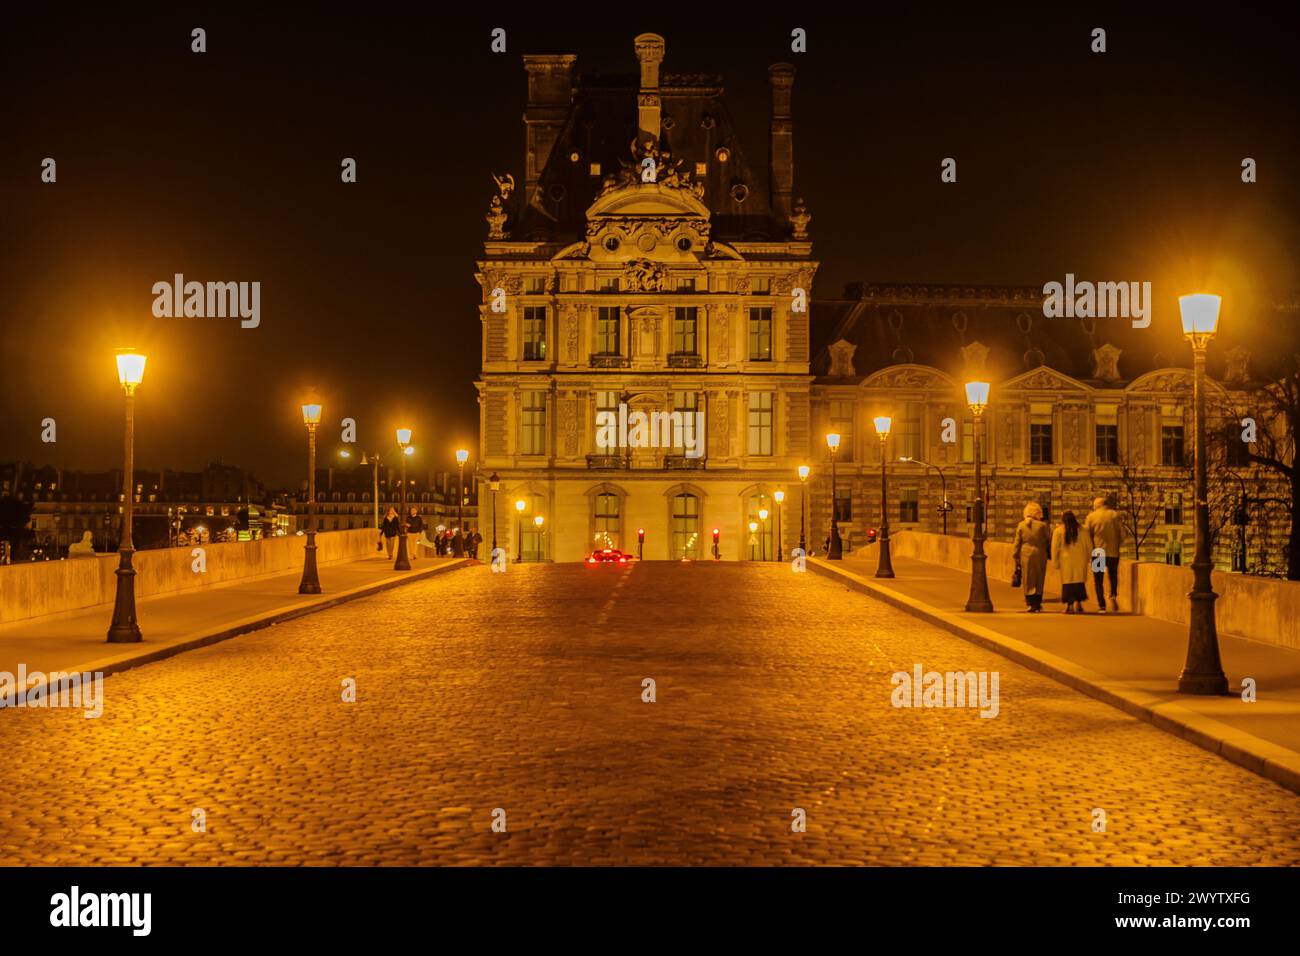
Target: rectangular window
<point x="685" y="405"/>
<point x="760" y="423"/>
<point x="760" y="334"/>
<point x="843" y="504"/>
<point x="1171" y="445"/>
<point x="1173" y="508"/>
<point x="968" y="441"/>
<point x="909" y="506"/>
<point x="532" y="423"/>
<point x="907" y="430"/>
<point x="1040" y="443"/>
<point x="842" y="415"/>
<point x="534" y="333"/>
<point x="535" y="285"/>
<point x="1236" y="451"/>
<point x="607" y="284"/>
<point x="685" y="323"/>
<point x="1107" y="444"/>
<point x="762" y="285"/>
<point x="608" y="321"/>
<point x="686" y="284"/>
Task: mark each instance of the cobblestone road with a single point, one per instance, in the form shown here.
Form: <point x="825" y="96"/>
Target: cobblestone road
<point x="523" y="691"/>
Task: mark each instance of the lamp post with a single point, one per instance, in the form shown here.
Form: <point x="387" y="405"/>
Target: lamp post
<point x="762" y="538"/>
<point x="520" y="505"/>
<point x="836" y="550"/>
<point x="125" y="629"/>
<point x="310" y="583"/>
<point x="977" y="397"/>
<point x="778" y="496"/>
<point x="1203" y="672"/>
<point x="753" y="533"/>
<point x="803" y="481"/>
<point x="373" y="460"/>
<point x="403" y="562"/>
<point x="494" y="483"/>
<point x="945" y="506"/>
<point x="885" y="567"/>
<point x="541" y="548"/>
<point x="462" y="456"/>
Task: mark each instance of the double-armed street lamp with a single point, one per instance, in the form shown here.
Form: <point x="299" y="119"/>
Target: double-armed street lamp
<point x="462" y="456"/>
<point x="372" y="459"/>
<point x="310" y="583"/>
<point x="125" y="629"/>
<point x="836" y="550"/>
<point x="1203" y="671"/>
<point x="977" y="397"/>
<point x="884" y="567"/>
<point x="403" y="562"/>
<point x="804" y="471"/>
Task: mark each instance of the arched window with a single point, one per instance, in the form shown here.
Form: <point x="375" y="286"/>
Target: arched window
<point x="607" y="520"/>
<point x="685" y="526"/>
<point x="761" y="543"/>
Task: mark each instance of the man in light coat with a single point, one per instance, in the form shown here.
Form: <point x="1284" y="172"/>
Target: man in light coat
<point x="1107" y="533"/>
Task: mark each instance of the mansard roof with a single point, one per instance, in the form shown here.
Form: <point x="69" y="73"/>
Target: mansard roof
<point x="600" y="128"/>
<point x="899" y="324"/>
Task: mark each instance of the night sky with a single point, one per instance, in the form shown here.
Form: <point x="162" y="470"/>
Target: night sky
<point x="225" y="166"/>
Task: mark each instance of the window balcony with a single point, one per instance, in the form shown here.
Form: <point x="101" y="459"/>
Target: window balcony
<point x="686" y="360"/>
<point x="606" y="463"/>
<point x="610" y="361"/>
<point x="683" y="463"/>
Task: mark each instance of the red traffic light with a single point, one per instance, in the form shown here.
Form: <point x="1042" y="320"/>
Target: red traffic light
<point x="715" y="535"/>
<point x="640" y="534"/>
<point x="871" y="536"/>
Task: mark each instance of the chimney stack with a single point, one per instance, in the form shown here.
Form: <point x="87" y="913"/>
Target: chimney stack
<point x="550" y="90"/>
<point x="649" y="107"/>
<point x="781" y="170"/>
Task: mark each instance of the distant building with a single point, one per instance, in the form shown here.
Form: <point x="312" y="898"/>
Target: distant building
<point x="345" y="497"/>
<point x="167" y="504"/>
<point x="642" y="267"/>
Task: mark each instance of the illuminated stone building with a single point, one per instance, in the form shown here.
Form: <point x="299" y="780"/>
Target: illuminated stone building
<point x="642" y="262"/>
<point x="1078" y="408"/>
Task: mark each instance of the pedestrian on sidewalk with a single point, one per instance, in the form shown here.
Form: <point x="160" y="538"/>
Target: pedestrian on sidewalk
<point x="1104" y="530"/>
<point x="474" y="540"/>
<point x="1031" y="549"/>
<point x="1070" y="557"/>
<point x="415" y="526"/>
<point x="389" y="530"/>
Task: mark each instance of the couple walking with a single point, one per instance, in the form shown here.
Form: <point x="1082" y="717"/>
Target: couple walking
<point x="1070" y="549"/>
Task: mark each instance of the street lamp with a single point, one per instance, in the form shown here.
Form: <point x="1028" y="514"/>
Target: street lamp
<point x="884" y="567"/>
<point x="403" y="562"/>
<point x="753" y="532"/>
<point x="541" y="548"/>
<point x="494" y="483"/>
<point x="1203" y="672"/>
<point x="520" y="505"/>
<point x="310" y="583"/>
<point x="778" y="496"/>
<point x="946" y="505"/>
<point x="762" y="540"/>
<point x="804" y="471"/>
<point x="977" y="397"/>
<point x="835" y="551"/>
<point x="462" y="456"/>
<point x="125" y="629"/>
<point x="372" y="460"/>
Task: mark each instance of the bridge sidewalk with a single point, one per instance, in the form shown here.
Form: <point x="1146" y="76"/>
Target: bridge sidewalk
<point x="172" y="623"/>
<point x="1129" y="661"/>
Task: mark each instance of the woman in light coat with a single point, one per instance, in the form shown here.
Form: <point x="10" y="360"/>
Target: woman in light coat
<point x="1031" y="549"/>
<point x="1070" y="557"/>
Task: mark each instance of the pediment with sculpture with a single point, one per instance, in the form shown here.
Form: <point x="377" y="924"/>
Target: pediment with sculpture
<point x="1043" y="379"/>
<point x="910" y="376"/>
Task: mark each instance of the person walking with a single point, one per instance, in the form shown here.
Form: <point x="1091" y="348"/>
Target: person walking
<point x="1070" y="558"/>
<point x="1031" y="549"/>
<point x="389" y="530"/>
<point x="474" y="540"/>
<point x="415" y="529"/>
<point x="1104" y="530"/>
